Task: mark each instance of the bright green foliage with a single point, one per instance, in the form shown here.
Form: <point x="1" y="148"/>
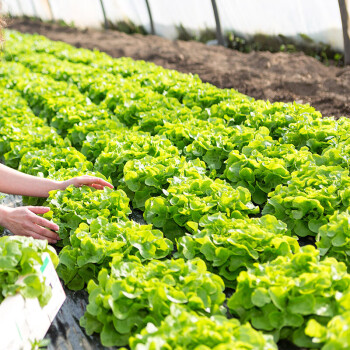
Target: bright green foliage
<point x="51" y="159"/>
<point x="93" y="246"/>
<point x="230" y="246"/>
<point x="187" y="199"/>
<point x="130" y="145"/>
<point x="283" y="295"/>
<point x="149" y="175"/>
<point x="19" y="128"/>
<point x="20" y="262"/>
<point x="9" y="71"/>
<point x="73" y="206"/>
<point x="53" y="162"/>
<point x="132" y="106"/>
<point x="277" y="117"/>
<point x="38" y="43"/>
<point x="263" y="165"/>
<point x="183" y="330"/>
<point x="336" y="154"/>
<point x="61" y="104"/>
<point x="15" y="111"/>
<point x="132" y="295"/>
<point x="312" y="195"/>
<point x="333" y="336"/>
<point x="210" y="140"/>
<point x="257" y="173"/>
<point x="203" y="95"/>
<point x="316" y="133"/>
<point x="58" y="102"/>
<point x="90" y="80"/>
<point x="333" y="239"/>
<point x="95" y="142"/>
<point x="17" y="142"/>
<point x="21" y="131"/>
<point x="95" y="128"/>
<point x="165" y="134"/>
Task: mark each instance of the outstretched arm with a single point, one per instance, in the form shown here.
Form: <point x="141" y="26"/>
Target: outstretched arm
<point x="15" y="182"/>
<point x="23" y="220"/>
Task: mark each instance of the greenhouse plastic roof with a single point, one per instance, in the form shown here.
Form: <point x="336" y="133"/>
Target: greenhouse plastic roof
<point x="318" y="19"/>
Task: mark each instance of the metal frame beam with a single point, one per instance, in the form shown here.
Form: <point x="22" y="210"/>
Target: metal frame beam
<point x="153" y="32"/>
<point x="219" y="36"/>
<point x="344" y="6"/>
<point x="104" y="14"/>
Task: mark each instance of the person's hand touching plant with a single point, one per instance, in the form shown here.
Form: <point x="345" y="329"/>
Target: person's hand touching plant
<point x="25" y="220"/>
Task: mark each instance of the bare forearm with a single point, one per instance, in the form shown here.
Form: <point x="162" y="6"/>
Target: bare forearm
<point x="15" y="182"/>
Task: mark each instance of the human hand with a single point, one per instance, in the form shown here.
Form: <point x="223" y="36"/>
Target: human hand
<point x="87" y="180"/>
<point x="23" y="221"/>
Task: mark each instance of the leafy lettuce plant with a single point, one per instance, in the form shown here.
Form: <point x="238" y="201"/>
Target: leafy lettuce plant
<point x="187" y="199"/>
<point x="149" y="176"/>
<point x="73" y="206"/>
<point x="333" y="239"/>
<point x="132" y="295"/>
<point x="131" y="145"/>
<point x="313" y="194"/>
<point x="210" y="140"/>
<point x="20" y="263"/>
<point x="45" y="161"/>
<point x="73" y="113"/>
<point x="259" y="174"/>
<point x="130" y="106"/>
<point x="333" y="336"/>
<point x="184" y="329"/>
<point x="97" y="129"/>
<point x="56" y="163"/>
<point x="337" y="154"/>
<point x="317" y="134"/>
<point x="230" y="246"/>
<point x="267" y="147"/>
<point x="281" y="296"/>
<point x="264" y="164"/>
<point x="93" y="246"/>
<point x="96" y="141"/>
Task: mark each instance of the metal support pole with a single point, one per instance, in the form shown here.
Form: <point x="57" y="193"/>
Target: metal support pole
<point x="150" y="17"/>
<point x="104" y="14"/>
<point x="50" y="9"/>
<point x="219" y="35"/>
<point x="344" y="6"/>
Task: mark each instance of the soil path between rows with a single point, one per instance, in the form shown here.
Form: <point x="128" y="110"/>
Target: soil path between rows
<point x="262" y="75"/>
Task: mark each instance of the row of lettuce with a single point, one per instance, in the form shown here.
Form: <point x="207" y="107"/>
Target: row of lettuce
<point x="201" y="163"/>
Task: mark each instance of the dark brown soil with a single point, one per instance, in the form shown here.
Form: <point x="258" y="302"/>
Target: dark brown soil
<point x="262" y="75"/>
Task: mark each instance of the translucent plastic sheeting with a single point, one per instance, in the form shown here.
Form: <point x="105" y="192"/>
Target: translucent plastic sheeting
<point x="12" y="7"/>
<point x="194" y="15"/>
<point x="42" y="9"/>
<point x="132" y="10"/>
<point x="35" y="8"/>
<point x="81" y="13"/>
<point x="319" y="19"/>
<point x="19" y="7"/>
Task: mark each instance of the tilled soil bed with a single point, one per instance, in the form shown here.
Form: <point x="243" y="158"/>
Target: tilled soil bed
<point x="262" y="75"/>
